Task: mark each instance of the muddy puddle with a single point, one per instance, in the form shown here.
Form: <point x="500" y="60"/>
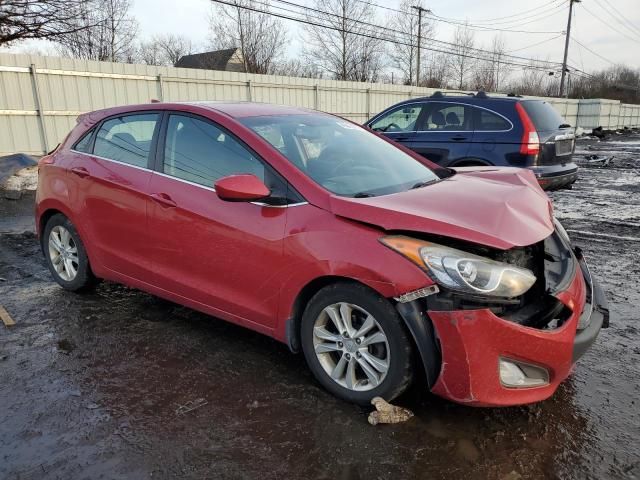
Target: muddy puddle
<point x="119" y="384"/>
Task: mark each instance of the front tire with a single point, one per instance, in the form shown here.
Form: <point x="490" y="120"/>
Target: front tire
<point x="66" y="255"/>
<point x="356" y="344"/>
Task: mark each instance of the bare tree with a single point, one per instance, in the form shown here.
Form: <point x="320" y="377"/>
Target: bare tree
<point x="343" y="47"/>
<point x="534" y="80"/>
<point x="296" y="68"/>
<point x="618" y="82"/>
<point x="28" y="19"/>
<point x="463" y="55"/>
<point x="105" y="31"/>
<point x="404" y="52"/>
<point x="437" y="71"/>
<point x="164" y="49"/>
<point x="261" y="37"/>
<point x="490" y="72"/>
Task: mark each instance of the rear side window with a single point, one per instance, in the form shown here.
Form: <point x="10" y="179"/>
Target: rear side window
<point x="84" y="144"/>
<point x="543" y="115"/>
<point x="489" y="121"/>
<point x="199" y="152"/>
<point x="127" y="139"/>
<point x="401" y="119"/>
<point x="448" y="117"/>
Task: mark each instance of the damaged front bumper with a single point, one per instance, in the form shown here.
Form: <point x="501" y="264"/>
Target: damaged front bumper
<point x="462" y="349"/>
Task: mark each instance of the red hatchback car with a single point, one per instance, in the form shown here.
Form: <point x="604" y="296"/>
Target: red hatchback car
<point x="322" y="234"/>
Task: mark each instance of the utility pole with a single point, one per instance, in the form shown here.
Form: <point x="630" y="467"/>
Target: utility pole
<point x="566" y="46"/>
<point x="420" y="9"/>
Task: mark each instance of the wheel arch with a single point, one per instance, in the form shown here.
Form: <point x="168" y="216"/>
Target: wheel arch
<point x="44" y="215"/>
<point x="422" y="333"/>
<point x="292" y="328"/>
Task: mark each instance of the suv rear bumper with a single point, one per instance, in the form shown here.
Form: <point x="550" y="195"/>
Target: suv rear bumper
<point x="553" y="177"/>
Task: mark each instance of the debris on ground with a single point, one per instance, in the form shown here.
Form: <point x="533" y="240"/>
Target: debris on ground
<point x="387" y="413"/>
<point x="6" y="318"/>
<point x="190" y="406"/>
<point x="18" y="173"/>
<point x="21" y="181"/>
<point x="66" y="346"/>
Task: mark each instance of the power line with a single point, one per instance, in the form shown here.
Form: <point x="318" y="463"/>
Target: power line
<point x="493" y="29"/>
<point x="536" y="44"/>
<point x="487" y="20"/>
<point x="594" y="53"/>
<point x="394" y="32"/>
<point x="621" y="20"/>
<point x="609" y="25"/>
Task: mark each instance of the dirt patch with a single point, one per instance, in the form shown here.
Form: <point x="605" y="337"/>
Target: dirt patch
<point x="91" y="385"/>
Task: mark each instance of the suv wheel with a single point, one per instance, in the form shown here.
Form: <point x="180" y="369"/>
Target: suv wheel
<point x="66" y="256"/>
<point x="355" y="344"/>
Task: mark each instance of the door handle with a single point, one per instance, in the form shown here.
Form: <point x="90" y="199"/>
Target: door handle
<point x="81" y="172"/>
<point x="458" y="138"/>
<point x="163" y="199"/>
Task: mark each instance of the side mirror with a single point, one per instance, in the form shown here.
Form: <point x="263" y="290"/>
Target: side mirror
<point x="241" y="188"/>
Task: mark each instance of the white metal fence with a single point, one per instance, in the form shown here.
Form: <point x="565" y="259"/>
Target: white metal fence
<point x="40" y="97"/>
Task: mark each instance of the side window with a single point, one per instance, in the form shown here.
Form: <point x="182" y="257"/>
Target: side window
<point x="447" y="117"/>
<point x="486" y="120"/>
<point x="84" y="144"/>
<point x="401" y="119"/>
<point x="127" y="139"/>
<point x="199" y="152"/>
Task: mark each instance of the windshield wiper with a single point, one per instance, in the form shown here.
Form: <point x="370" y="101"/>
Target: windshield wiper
<point x="423" y="184"/>
<point x="363" y="195"/>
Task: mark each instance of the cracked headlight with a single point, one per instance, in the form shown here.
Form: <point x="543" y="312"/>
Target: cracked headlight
<point x="461" y="271"/>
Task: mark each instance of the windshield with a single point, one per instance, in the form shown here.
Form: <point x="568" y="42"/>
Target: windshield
<point x="344" y="158"/>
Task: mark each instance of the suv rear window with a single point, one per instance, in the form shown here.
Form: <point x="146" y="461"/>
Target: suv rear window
<point x="543" y="115"/>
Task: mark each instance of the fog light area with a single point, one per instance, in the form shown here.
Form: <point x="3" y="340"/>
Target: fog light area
<point x="515" y="374"/>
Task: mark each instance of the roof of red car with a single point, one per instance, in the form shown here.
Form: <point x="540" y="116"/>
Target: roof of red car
<point x="252" y="109"/>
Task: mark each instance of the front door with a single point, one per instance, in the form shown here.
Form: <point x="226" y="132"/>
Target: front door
<point x="223" y="255"/>
<point x="399" y="124"/>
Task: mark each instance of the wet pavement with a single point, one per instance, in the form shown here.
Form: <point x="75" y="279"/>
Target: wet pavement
<point x="120" y="384"/>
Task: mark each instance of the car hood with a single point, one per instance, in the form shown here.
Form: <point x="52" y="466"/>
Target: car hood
<point x="500" y="208"/>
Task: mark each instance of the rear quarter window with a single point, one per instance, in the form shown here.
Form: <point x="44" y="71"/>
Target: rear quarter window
<point x="543" y="115"/>
<point x="490" y="121"/>
<point x="84" y="144"/>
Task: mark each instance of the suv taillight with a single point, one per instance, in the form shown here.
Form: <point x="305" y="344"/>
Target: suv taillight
<point x="530" y="144"/>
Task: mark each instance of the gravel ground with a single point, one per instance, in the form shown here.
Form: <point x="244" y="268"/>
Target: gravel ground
<point x="96" y="386"/>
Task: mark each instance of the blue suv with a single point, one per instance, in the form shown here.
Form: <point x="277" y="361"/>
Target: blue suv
<point x="478" y="130"/>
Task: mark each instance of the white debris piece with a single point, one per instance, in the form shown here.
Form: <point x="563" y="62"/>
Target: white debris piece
<point x="23" y="180"/>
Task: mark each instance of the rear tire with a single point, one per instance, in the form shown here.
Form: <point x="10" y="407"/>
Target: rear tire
<point x="66" y="255"/>
<point x="372" y="357"/>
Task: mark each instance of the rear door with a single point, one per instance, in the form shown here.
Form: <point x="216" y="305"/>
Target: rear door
<point x="557" y="138"/>
<point x="111" y="173"/>
<point x="399" y="123"/>
<point x="445" y="132"/>
<point x="220" y="254"/>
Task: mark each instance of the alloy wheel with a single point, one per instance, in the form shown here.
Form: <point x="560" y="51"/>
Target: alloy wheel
<point x="63" y="253"/>
<point x="351" y="346"/>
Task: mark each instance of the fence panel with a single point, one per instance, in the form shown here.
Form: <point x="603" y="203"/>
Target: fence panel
<point x="40" y="97"/>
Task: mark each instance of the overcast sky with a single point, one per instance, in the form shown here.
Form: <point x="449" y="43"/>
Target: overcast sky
<point x="610" y="28"/>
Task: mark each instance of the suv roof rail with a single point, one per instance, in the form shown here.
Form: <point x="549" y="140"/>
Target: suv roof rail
<point x="511" y="94"/>
<point x="439" y="94"/>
